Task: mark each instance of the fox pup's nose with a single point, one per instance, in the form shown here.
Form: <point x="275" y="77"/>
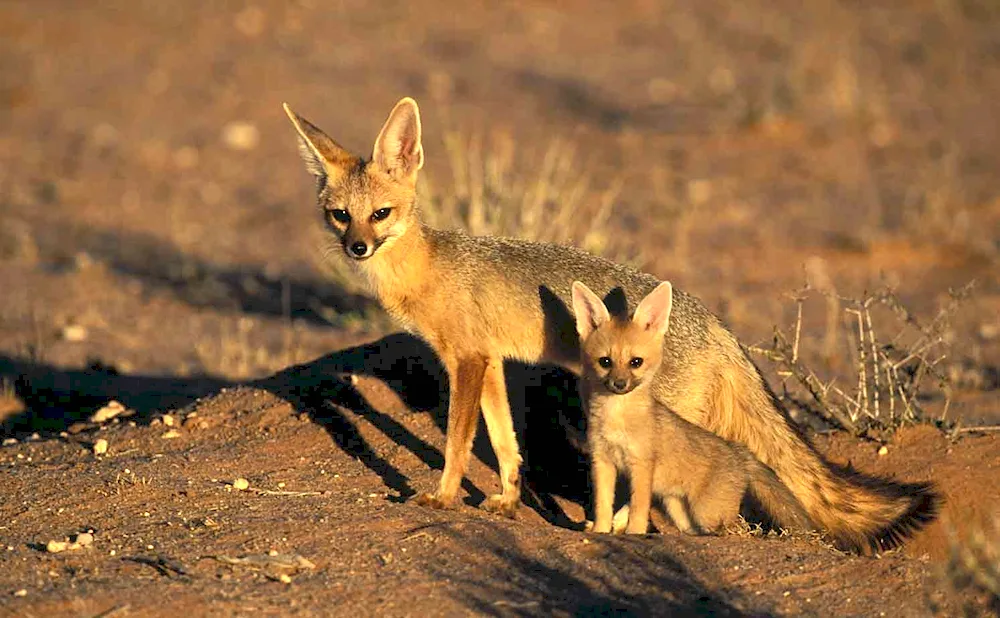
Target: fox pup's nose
<point x="359" y="249"/>
<point x="618" y="386"/>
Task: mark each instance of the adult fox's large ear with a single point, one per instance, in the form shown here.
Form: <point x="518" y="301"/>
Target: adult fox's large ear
<point x="653" y="313"/>
<point x="324" y="158"/>
<point x="397" y="151"/>
<point x="589" y="309"/>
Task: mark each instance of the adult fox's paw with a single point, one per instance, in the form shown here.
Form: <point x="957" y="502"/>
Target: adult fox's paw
<point x="501" y="506"/>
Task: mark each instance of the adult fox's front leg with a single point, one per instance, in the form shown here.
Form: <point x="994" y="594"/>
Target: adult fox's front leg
<point x="500" y="426"/>
<point x="465" y="378"/>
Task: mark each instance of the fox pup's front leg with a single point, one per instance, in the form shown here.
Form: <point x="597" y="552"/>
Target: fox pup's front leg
<point x="465" y="378"/>
<point x="604" y="474"/>
<point x="641" y="480"/>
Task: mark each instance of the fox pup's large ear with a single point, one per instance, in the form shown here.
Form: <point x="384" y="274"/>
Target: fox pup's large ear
<point x="590" y="310"/>
<point x="324" y="158"/>
<point x="397" y="151"/>
<point x="653" y="313"/>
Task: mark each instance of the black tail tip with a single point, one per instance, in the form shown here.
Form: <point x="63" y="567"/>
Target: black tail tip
<point x="925" y="504"/>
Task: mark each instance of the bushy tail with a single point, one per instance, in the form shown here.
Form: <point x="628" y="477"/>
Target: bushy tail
<point x="857" y="512"/>
<point x="776" y="500"/>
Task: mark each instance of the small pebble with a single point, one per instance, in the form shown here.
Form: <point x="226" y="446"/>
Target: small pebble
<point x="169" y="435"/>
<point x="241" y="484"/>
<point x="101" y="446"/>
<point x="21" y="593"/>
<point x="74" y="333"/>
<point x="168" y="420"/>
<point x="883" y="451"/>
<point x="107" y="412"/>
<point x="55" y="547"/>
<point x="285" y="579"/>
<point x="9" y="441"/>
<point x="84" y="539"/>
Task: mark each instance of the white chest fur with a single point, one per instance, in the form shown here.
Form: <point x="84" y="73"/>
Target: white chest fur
<point x="621" y="421"/>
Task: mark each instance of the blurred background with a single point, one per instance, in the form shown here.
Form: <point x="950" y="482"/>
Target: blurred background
<point x="155" y="218"/>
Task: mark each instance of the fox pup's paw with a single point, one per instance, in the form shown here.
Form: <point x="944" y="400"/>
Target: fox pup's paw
<point x="588" y="526"/>
<point x="497" y="504"/>
<point x="620" y="521"/>
<point x="432" y="501"/>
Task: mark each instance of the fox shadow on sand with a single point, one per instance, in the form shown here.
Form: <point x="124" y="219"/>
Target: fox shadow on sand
<point x="547" y="415"/>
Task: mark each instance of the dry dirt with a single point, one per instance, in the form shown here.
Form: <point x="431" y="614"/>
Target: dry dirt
<point x="158" y="247"/>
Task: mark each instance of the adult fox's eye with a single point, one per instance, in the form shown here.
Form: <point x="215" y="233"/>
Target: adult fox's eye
<point x="381" y="214"/>
<point x="340" y="215"/>
<point x="604" y="361"/>
<point x="635" y="363"/>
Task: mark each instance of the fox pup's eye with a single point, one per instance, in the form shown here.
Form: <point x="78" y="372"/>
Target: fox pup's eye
<point x="340" y="215"/>
<point x="380" y="214"/>
<point x="604" y="361"/>
<point x="635" y="363"/>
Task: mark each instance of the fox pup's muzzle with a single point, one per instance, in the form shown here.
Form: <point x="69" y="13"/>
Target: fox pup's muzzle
<point x="359" y="250"/>
<point x="619" y="386"/>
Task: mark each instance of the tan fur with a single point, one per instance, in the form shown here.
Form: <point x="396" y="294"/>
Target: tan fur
<point x="700" y="477"/>
<point x="478" y="301"/>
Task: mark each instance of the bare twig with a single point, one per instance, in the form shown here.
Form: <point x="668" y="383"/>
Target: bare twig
<point x="874" y="359"/>
<point x="983" y="428"/>
<point x="798" y="328"/>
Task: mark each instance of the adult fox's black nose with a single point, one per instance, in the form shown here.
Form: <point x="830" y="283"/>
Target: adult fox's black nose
<point x="359" y="248"/>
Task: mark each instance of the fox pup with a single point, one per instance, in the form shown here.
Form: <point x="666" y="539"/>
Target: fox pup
<point x="700" y="477"/>
<point x="480" y="300"/>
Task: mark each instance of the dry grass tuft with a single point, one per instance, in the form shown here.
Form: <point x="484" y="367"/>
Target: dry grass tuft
<point x="235" y="355"/>
<point x="895" y="360"/>
<point x="545" y="197"/>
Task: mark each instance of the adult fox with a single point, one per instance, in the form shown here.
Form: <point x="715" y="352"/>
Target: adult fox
<point x="480" y="300"/>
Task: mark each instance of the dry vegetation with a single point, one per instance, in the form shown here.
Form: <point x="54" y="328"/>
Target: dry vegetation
<point x="888" y="365"/>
